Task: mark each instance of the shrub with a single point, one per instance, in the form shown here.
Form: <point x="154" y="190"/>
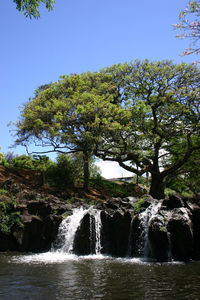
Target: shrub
<point x="9" y="216"/>
<point x="138" y="206"/>
<point x="3" y="191"/>
<point x="63" y="173"/>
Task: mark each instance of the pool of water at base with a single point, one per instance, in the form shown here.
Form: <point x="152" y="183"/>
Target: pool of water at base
<point x="61" y="276"/>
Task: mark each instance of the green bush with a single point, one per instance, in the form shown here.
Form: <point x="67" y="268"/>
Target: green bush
<point x="3" y="191"/>
<point x="138" y="206"/>
<point x="63" y="173"/>
<point x="9" y="216"/>
<point x="37" y="162"/>
<point x="2" y="158"/>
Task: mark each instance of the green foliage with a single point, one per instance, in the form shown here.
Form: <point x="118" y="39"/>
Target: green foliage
<point x="158" y="108"/>
<point x="63" y="173"/>
<point x="68" y="170"/>
<point x="138" y="206"/>
<point x="36" y="163"/>
<point x="185" y="180"/>
<point x="30" y="8"/>
<point x="9" y="216"/>
<point x="3" y="191"/>
<point x="2" y="158"/>
<point x="134" y="113"/>
<point x="67" y="115"/>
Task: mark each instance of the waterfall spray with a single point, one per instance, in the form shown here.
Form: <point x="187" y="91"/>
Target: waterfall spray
<point x="67" y="230"/>
<point x="145" y="219"/>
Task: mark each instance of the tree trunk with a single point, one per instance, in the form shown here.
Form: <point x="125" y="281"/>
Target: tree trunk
<point x="157" y="186"/>
<point x="86" y="171"/>
<point x="42" y="179"/>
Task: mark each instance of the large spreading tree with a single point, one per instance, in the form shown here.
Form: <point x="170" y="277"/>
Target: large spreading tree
<point x="144" y="115"/>
<point x="66" y="116"/>
<point x="158" y="110"/>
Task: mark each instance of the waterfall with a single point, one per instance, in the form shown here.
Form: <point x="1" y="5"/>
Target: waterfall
<point x="130" y="241"/>
<point x="145" y="219"/>
<point x="67" y="230"/>
<point x="96" y="214"/>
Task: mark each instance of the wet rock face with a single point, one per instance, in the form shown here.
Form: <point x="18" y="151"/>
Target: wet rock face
<point x="181" y="234"/>
<point x="159" y="247"/>
<point x="82" y="241"/>
<point x="170" y="234"/>
<point x="163" y="230"/>
<point x="168" y="231"/>
<point x="37" y="234"/>
<point x="40" y="218"/>
<point x="115" y="233"/>
<point x="196" y="230"/>
<point x="7" y="242"/>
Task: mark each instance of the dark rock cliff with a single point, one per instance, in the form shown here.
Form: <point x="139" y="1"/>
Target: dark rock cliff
<point x="162" y="230"/>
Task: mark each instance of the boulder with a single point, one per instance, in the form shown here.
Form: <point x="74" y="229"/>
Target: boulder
<point x="174" y="201"/>
<point x="158" y="242"/>
<point x="195" y="210"/>
<point x="181" y="235"/>
<point x="39" y="208"/>
<point x="82" y="241"/>
<point x="115" y="233"/>
<point x="37" y="234"/>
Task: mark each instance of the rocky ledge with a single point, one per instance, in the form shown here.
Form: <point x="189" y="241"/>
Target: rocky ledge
<point x="162" y="230"/>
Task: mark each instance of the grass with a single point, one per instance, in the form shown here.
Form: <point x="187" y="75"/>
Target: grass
<point x="111" y="188"/>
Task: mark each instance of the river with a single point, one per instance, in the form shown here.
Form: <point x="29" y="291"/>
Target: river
<point x="63" y="276"/>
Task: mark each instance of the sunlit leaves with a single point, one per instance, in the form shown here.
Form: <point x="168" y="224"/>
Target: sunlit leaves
<point x="30" y="8"/>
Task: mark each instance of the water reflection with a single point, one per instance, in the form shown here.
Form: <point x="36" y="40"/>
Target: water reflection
<point x="28" y="277"/>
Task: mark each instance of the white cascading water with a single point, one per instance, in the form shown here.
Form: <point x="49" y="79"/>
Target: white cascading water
<point x="129" y="248"/>
<point x="97" y="217"/>
<point x="68" y="227"/>
<point x="67" y="230"/>
<point x="145" y="219"/>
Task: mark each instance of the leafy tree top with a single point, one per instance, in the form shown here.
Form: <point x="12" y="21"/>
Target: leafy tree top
<point x="159" y="105"/>
<point x="30" y="8"/>
<point x="134" y="113"/>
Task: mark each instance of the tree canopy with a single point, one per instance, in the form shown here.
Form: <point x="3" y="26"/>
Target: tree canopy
<point x="66" y="116"/>
<point x="30" y="8"/>
<point x="159" y="108"/>
<point x="144" y="115"/>
<point x="189" y="26"/>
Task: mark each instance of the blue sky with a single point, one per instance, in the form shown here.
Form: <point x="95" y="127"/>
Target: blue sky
<point x="78" y="36"/>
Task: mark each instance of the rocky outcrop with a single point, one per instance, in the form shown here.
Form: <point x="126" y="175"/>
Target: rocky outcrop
<point x="169" y="232"/>
<point x="115" y="233"/>
<point x="40" y="219"/>
<point x="83" y="244"/>
<point x="163" y="230"/>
